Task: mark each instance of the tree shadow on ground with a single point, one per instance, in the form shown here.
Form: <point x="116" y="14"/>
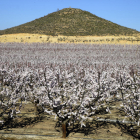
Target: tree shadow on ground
<point x="15" y="123"/>
<point x="91" y="127"/>
<point x="129" y="129"/>
<point x="95" y="125"/>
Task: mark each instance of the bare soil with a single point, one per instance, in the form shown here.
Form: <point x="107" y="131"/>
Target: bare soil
<point x="44" y="127"/>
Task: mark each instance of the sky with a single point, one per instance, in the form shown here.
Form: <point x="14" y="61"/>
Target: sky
<point x="123" y="12"/>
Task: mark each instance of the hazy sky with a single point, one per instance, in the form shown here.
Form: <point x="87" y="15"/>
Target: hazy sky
<point x="122" y="12"/>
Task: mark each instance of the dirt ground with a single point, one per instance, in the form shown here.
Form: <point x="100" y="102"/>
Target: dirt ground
<point x="32" y="127"/>
<point x="30" y="38"/>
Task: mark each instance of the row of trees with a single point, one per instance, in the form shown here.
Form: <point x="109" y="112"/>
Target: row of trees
<point x="73" y="95"/>
<point x="72" y="82"/>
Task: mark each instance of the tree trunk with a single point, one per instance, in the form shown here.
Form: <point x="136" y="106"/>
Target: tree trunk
<point x="64" y="132"/>
<point x="36" y="107"/>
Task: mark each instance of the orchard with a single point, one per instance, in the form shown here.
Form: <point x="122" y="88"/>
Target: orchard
<point x="72" y="82"/>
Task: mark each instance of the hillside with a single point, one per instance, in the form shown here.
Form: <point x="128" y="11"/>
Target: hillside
<point x="70" y="22"/>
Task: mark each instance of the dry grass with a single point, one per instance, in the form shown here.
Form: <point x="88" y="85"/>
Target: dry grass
<point x="30" y="38"/>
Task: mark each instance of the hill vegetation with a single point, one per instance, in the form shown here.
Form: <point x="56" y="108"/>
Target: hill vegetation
<point x="70" y="22"/>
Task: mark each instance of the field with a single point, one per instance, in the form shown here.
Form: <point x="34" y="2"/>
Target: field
<point x="26" y="68"/>
<point x="30" y="38"/>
